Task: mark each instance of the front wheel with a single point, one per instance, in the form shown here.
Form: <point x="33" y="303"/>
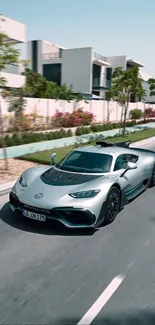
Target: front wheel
<point x="112" y="206"/>
<point x="153" y="177"/>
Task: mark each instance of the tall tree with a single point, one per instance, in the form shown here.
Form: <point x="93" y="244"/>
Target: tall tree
<point x="36" y="85"/>
<point x="66" y="93"/>
<point x="108" y="98"/>
<point x="16" y="104"/>
<point x="124" y="85"/>
<point x="8" y="55"/>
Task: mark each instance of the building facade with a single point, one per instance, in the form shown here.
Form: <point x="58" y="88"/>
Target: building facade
<point x="89" y="73"/>
<point x="16" y="35"/>
<point x="83" y="69"/>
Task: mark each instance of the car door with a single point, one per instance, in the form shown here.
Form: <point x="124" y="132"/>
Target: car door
<point x="132" y="177"/>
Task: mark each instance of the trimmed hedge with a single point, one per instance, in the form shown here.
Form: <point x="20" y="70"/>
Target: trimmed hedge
<point x="15" y="140"/>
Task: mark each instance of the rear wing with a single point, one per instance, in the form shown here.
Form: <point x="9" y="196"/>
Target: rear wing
<point x="123" y="144"/>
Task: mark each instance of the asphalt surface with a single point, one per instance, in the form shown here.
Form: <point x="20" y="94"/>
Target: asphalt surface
<point x="50" y="275"/>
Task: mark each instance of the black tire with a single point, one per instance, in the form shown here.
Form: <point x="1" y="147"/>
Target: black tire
<point x="112" y="206"/>
<point x="153" y="177"/>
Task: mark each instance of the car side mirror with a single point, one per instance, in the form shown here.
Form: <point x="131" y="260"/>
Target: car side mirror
<point x="52" y="158"/>
<point x="131" y="165"/>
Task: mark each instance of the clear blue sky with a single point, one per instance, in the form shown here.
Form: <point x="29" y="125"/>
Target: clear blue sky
<point x="111" y="27"/>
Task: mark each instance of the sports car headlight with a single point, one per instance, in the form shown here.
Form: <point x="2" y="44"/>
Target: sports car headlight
<point x="84" y="194"/>
<point x="22" y="181"/>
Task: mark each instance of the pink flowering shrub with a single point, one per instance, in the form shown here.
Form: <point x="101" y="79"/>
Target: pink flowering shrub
<point x="149" y="112"/>
<point x="77" y="118"/>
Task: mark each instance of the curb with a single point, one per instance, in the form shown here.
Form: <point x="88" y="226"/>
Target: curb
<point x="143" y="142"/>
<point x="6" y="191"/>
<point x="7" y="187"/>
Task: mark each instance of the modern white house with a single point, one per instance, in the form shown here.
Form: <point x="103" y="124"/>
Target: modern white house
<point x="16" y="35"/>
<point x="88" y="72"/>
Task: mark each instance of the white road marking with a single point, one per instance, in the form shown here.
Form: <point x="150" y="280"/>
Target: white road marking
<point x="102" y="300"/>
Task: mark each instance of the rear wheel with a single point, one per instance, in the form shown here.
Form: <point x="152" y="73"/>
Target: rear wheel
<point x="112" y="206"/>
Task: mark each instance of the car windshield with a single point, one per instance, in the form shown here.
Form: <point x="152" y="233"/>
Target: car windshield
<point x="86" y="162"/>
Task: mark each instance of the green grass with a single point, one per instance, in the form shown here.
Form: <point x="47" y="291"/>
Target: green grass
<point x="43" y="157"/>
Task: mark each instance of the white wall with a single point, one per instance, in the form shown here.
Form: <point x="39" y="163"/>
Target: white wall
<point x="48" y="47"/>
<point x="13" y="80"/>
<point x="77" y="69"/>
<point x="117" y="61"/>
<point x="40" y="50"/>
<point x="13" y="69"/>
<point x="29" y="53"/>
<point x="48" y="107"/>
<point x="14" y="30"/>
<point x="148" y="98"/>
<point x="103" y="76"/>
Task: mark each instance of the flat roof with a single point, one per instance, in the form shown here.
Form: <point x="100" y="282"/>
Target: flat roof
<point x="134" y="63"/>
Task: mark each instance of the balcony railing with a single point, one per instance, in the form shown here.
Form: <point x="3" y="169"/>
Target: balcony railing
<point x="108" y="83"/>
<point x="99" y="57"/>
<point x="13" y="68"/>
<point x="97" y="83"/>
<point x="47" y="56"/>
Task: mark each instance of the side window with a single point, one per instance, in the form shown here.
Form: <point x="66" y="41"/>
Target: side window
<point x="121" y="162"/>
<point x="132" y="158"/>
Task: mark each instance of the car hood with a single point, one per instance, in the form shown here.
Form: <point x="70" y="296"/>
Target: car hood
<point x="55" y="184"/>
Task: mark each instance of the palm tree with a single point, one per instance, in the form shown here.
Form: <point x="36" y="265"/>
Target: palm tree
<point x="16" y="104"/>
<point x="124" y="84"/>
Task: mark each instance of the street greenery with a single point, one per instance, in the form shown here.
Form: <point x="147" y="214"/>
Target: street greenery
<point x="125" y="85"/>
<point x="32" y="137"/>
<point x="43" y="157"/>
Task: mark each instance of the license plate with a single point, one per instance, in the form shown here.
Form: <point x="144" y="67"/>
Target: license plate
<point x="34" y="216"/>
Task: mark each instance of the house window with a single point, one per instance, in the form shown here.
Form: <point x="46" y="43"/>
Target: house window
<point x="52" y="72"/>
<point x="108" y="77"/>
<point x="96" y="75"/>
<point x="35" y="56"/>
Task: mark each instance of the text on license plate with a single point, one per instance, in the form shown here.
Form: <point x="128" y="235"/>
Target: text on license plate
<point x="33" y="215"/>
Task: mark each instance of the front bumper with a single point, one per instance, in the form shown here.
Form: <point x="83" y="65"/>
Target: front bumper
<point x="69" y="216"/>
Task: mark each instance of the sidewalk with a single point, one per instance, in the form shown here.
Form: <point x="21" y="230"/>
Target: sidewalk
<point x="6" y="187"/>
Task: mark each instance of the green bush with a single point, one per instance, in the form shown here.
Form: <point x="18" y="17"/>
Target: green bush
<point x="136" y="114"/>
<point x="15" y="140"/>
<point x="69" y="133"/>
<point x="26" y="138"/>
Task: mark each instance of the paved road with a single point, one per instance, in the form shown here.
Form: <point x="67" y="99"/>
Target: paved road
<point x="52" y="276"/>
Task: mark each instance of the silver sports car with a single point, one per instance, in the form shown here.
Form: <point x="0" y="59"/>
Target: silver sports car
<point x="88" y="187"/>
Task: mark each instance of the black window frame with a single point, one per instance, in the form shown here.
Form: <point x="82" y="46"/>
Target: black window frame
<point x="127" y="160"/>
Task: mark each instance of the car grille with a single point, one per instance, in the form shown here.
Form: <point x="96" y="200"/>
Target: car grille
<point x="73" y="216"/>
<point x="15" y="201"/>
